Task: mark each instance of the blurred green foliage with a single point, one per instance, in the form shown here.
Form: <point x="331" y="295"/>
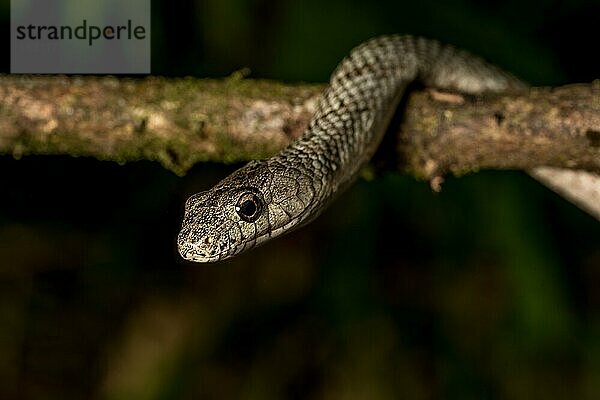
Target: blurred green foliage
<point x="488" y="290"/>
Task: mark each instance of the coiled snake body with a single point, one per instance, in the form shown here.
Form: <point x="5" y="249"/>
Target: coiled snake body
<point x="265" y="199"/>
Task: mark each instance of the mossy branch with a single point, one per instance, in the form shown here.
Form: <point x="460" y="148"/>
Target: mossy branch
<point x="182" y="121"/>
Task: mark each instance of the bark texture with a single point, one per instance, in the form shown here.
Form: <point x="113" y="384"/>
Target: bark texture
<point x="182" y="121"/>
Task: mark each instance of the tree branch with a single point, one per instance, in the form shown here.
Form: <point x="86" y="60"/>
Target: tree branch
<point x="180" y="122"/>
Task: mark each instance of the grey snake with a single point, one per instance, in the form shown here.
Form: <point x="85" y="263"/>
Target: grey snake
<point x="267" y="198"/>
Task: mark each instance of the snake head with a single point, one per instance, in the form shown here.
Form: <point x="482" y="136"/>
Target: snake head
<point x="254" y="204"/>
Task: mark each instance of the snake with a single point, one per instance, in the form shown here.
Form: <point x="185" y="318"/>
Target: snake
<point x="268" y="198"/>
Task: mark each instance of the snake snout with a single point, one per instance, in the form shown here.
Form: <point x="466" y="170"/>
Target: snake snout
<point x="194" y="252"/>
<point x="202" y="249"/>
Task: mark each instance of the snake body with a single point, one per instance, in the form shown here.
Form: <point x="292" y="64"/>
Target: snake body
<point x="267" y="198"/>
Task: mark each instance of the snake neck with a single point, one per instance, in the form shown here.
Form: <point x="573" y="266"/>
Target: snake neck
<point x="365" y="89"/>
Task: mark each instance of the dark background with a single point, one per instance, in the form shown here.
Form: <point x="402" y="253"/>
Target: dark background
<point x="488" y="290"/>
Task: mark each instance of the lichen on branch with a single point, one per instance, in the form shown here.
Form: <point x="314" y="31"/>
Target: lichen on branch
<point x="183" y="121"/>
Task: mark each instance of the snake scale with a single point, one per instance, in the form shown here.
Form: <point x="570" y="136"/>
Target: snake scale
<point x="267" y="198"/>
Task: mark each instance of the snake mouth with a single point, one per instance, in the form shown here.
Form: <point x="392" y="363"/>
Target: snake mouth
<point x="191" y="252"/>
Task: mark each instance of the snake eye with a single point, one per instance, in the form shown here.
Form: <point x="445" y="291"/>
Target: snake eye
<point x="248" y="207"/>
